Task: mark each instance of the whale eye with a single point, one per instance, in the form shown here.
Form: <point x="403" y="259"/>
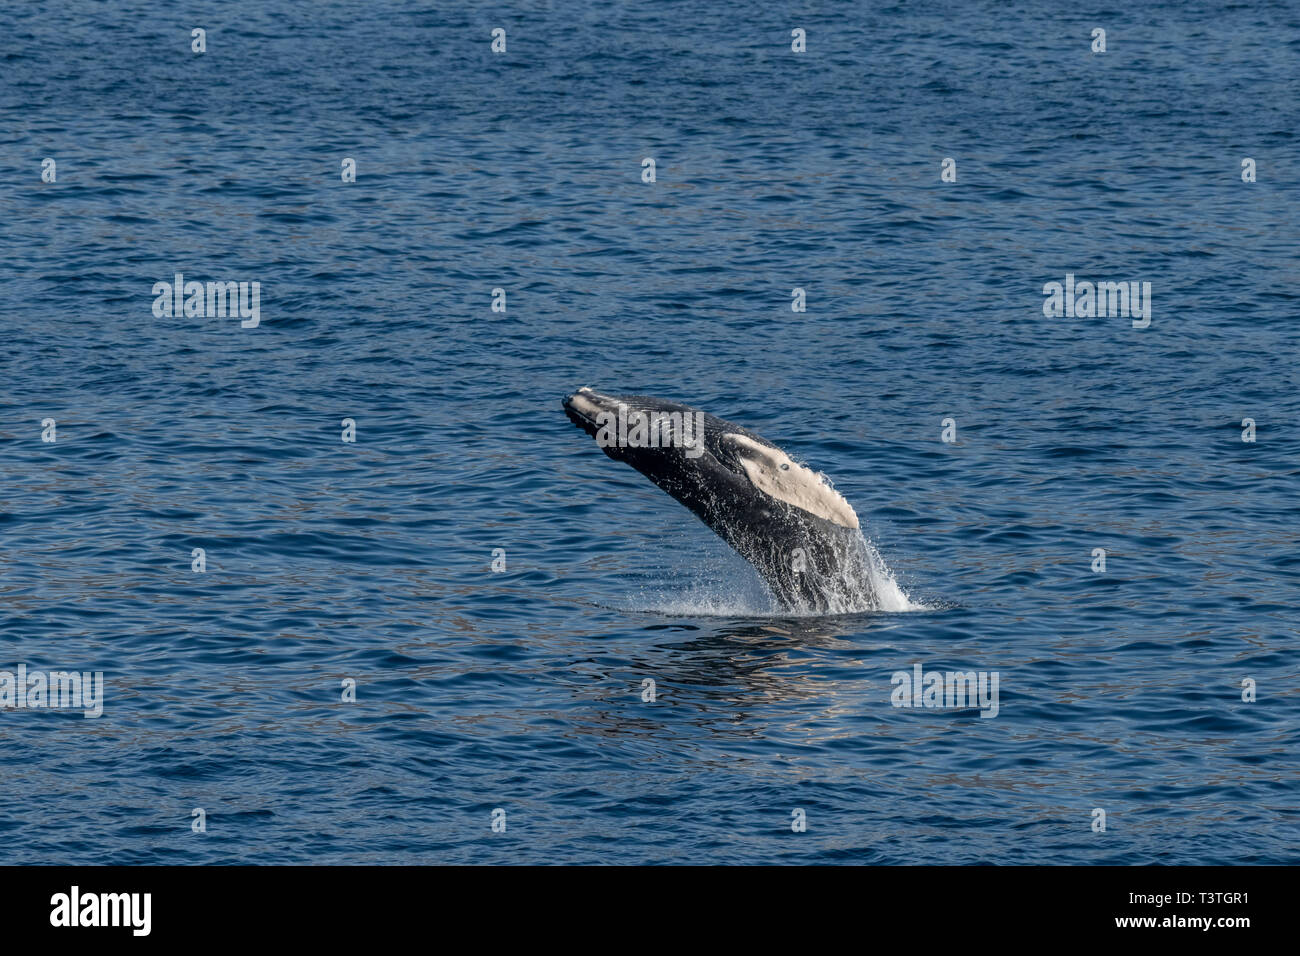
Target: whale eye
<point x="785" y="466"/>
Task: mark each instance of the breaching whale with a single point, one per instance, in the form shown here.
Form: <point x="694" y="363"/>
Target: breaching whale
<point x="785" y="519"/>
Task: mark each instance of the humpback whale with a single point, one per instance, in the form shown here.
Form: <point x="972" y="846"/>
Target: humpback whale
<point x="785" y="519"/>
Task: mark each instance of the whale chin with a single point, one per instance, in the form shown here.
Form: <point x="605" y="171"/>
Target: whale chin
<point x="786" y="520"/>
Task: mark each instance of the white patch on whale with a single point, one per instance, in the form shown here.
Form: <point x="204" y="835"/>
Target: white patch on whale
<point x="771" y="471"/>
<point x="583" y="405"/>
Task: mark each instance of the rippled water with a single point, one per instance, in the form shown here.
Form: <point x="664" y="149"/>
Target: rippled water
<point x="522" y="690"/>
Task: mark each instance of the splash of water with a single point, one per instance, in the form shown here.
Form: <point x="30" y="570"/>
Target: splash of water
<point x="890" y="595"/>
<point x="860" y="582"/>
<point x="863" y="584"/>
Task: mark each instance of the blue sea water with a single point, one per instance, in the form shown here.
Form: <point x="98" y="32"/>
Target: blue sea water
<point x="522" y="690"/>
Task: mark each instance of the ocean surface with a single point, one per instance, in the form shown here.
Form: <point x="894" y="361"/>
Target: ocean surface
<point x="521" y="690"/>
